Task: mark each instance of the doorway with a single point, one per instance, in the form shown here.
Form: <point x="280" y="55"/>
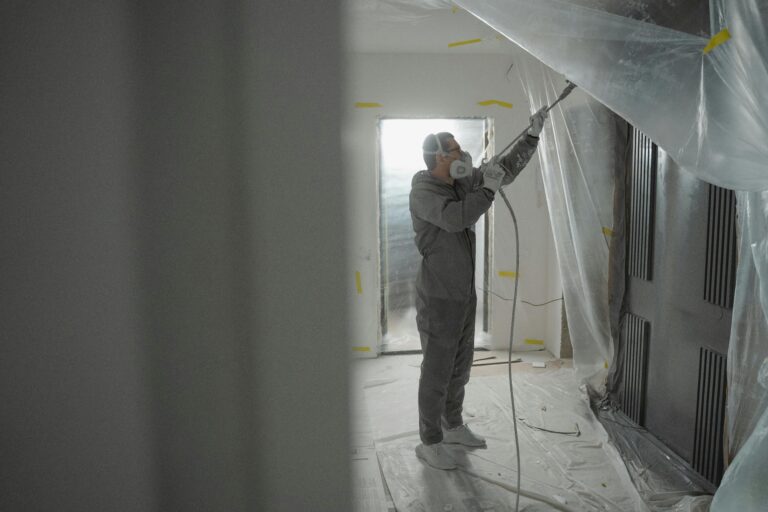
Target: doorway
<point x="400" y="157"/>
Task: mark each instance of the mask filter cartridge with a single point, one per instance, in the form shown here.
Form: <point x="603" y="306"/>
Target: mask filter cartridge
<point x="461" y="168"/>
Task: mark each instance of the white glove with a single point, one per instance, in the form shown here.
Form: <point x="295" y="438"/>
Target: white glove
<point x="492" y="175"/>
<point x="537" y="121"/>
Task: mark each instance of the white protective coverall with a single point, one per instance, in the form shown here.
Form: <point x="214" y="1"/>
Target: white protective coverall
<point x="443" y="217"/>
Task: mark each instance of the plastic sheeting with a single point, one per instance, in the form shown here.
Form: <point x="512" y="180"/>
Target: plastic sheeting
<point x="743" y="486"/>
<point x="748" y="347"/>
<point x="662" y="478"/>
<point x="571" y="472"/>
<point x="709" y="111"/>
<point x="581" y="146"/>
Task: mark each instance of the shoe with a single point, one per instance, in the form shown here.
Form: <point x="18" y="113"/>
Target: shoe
<point x="436" y="456"/>
<point x="463" y="435"/>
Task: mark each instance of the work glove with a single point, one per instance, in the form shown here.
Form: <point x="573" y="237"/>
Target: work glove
<point x="537" y="122"/>
<point x="492" y="175"/>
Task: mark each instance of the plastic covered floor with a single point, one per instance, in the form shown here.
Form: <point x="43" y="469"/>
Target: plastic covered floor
<point x="572" y="468"/>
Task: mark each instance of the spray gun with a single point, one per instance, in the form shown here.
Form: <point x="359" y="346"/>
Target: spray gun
<point x="568" y="89"/>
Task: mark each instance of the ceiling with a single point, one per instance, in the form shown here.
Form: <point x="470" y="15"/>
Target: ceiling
<point x="425" y="26"/>
<point x="429" y="26"/>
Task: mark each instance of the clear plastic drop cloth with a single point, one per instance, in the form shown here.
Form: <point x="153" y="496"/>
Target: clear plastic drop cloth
<point x="708" y="110"/>
<point x="567" y="461"/>
<point x="663" y="479"/>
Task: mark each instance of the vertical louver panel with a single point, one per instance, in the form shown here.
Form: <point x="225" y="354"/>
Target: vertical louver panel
<point x="642" y="198"/>
<point x="710" y="416"/>
<point x="720" y="273"/>
<point x="635" y="343"/>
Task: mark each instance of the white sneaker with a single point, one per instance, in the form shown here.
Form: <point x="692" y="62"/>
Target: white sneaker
<point x="436" y="456"/>
<point x="463" y="435"/>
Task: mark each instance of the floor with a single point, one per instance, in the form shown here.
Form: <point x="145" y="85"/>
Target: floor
<point x="567" y="462"/>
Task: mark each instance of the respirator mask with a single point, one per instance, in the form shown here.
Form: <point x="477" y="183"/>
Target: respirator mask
<point x="463" y="167"/>
<point x="460" y="168"/>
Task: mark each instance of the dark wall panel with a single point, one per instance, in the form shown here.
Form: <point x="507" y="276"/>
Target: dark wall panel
<point x="682" y="322"/>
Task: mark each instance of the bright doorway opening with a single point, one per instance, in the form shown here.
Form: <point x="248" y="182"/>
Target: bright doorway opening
<point x="400" y="157"/>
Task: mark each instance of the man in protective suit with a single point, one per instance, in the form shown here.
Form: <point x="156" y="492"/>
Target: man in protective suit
<point x="445" y="202"/>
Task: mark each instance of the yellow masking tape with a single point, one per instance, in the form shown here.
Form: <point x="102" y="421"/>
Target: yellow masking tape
<point x="455" y="9"/>
<point x="717" y="40"/>
<point x="500" y="103"/>
<point x="507" y="273"/>
<point x="608" y="231"/>
<point x="358" y="283"/>
<point x="363" y="104"/>
<point x="461" y="43"/>
<point x="361" y="349"/>
<point x="606" y="364"/>
<point x="534" y="342"/>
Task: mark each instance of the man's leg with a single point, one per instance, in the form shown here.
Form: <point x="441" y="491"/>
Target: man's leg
<point x="440" y="325"/>
<point x="462" y="366"/>
<point x="456" y="432"/>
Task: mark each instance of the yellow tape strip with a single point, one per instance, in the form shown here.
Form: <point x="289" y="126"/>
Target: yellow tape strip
<point x="363" y="104"/>
<point x="608" y="231"/>
<point x="500" y="103"/>
<point x="606" y="364"/>
<point x="455" y="9"/>
<point x="507" y="273"/>
<point x="361" y="349"/>
<point x="717" y="40"/>
<point x="358" y="283"/>
<point x="534" y="342"/>
<point x="461" y="43"/>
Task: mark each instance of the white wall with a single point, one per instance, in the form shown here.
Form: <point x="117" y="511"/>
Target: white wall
<point x="444" y="85"/>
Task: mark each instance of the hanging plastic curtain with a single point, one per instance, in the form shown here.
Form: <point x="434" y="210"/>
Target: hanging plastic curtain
<point x="743" y="485"/>
<point x="578" y="180"/>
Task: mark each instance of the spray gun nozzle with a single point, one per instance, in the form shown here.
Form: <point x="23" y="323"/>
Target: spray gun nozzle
<point x="568" y="89"/>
